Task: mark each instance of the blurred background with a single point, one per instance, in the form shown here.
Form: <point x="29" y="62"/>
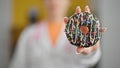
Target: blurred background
<point x="15" y="15"/>
<point x="25" y="12"/>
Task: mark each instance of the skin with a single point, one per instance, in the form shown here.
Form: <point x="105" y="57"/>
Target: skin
<point x="85" y="51"/>
<point x="56" y="10"/>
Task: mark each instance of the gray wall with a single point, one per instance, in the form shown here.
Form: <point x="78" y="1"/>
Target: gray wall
<point x="5" y="14"/>
<point x="109" y="13"/>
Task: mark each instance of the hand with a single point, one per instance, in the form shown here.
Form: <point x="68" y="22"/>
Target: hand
<point x="80" y="50"/>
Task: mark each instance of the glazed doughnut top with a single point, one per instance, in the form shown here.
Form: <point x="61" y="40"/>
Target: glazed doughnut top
<point x="83" y="29"/>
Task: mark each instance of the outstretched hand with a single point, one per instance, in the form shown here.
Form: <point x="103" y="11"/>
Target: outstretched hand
<point x="80" y="50"/>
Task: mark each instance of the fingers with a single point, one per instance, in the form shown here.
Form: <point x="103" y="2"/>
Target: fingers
<point x="87" y="9"/>
<point x="66" y="19"/>
<point x="79" y="50"/>
<point x="84" y="51"/>
<point x="87" y="51"/>
<point x="104" y="29"/>
<point x="78" y="9"/>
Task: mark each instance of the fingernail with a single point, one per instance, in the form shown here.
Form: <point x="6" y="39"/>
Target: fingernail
<point x="65" y="19"/>
<point x="87" y="6"/>
<point x="78" y="6"/>
<point x="78" y="51"/>
<point x="87" y="9"/>
<point x="104" y="29"/>
<point x="78" y="9"/>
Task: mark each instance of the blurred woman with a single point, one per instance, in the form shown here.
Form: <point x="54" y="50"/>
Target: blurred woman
<point x="44" y="45"/>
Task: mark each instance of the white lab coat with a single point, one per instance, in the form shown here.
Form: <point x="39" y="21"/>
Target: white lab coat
<point x="34" y="51"/>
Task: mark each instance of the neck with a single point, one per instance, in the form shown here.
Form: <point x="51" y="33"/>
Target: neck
<point x="55" y="18"/>
<point x="54" y="21"/>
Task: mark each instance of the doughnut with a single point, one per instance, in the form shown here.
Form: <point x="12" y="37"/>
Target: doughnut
<point x="83" y="29"/>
